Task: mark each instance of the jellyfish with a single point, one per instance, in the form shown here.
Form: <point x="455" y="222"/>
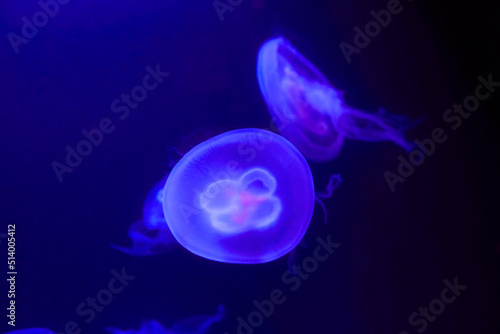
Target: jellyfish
<point x="244" y="196"/>
<point x="310" y="112"/>
<point x="32" y="331"/>
<point x="151" y="234"/>
<point x="199" y="324"/>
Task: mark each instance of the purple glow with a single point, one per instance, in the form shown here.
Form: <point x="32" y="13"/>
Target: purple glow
<point x="32" y="331"/>
<point x="245" y="196"/>
<point x="310" y="112"/>
<point x="199" y="324"/>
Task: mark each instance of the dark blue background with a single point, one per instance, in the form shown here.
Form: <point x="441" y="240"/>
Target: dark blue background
<point x="397" y="248"/>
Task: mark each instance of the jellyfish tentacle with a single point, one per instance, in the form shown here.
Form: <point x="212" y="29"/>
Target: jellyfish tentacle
<point x="333" y="183"/>
<point x="198" y="324"/>
<point x="323" y="207"/>
<point x="219" y="315"/>
<point x="380" y="126"/>
<point x="292" y="258"/>
<point x="147" y="327"/>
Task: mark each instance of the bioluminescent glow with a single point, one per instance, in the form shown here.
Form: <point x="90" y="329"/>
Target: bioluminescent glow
<point x="244" y="204"/>
<point x="245" y="196"/>
<point x="310" y="112"/>
<point x="150" y="235"/>
<point x="199" y="324"/>
<point x="152" y="213"/>
<point x="32" y="331"/>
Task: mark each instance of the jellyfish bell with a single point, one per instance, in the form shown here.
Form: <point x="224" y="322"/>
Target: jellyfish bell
<point x="245" y="196"/>
<point x="151" y="234"/>
<point x="299" y="99"/>
<point x="310" y="112"/>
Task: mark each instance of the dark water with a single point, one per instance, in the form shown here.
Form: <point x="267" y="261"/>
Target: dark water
<point x="396" y="248"/>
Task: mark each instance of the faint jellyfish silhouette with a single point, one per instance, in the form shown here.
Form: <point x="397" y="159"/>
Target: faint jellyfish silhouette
<point x="198" y="324"/>
<point x="310" y="112"/>
<point x="245" y="196"/>
<point x="32" y="331"/>
<point x="150" y="235"/>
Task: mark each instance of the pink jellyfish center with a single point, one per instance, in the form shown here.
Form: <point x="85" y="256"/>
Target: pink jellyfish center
<point x="247" y="203"/>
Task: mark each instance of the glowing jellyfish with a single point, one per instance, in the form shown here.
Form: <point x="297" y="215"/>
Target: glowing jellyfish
<point x="245" y="196"/>
<point x="32" y="331"/>
<point x="151" y="234"/>
<point x="312" y="114"/>
<point x="199" y="324"/>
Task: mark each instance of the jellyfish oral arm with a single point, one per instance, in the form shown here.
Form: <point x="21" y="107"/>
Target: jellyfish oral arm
<point x="379" y="126"/>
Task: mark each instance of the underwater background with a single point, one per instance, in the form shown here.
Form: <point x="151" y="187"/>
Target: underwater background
<point x="397" y="249"/>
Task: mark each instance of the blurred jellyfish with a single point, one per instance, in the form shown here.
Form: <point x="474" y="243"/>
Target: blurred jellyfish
<point x="32" y="331"/>
<point x="310" y="112"/>
<point x="199" y="324"/>
<point x="151" y="234"/>
<point x="245" y="196"/>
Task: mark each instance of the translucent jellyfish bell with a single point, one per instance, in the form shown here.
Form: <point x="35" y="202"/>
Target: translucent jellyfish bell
<point x="150" y="235"/>
<point x="198" y="324"/>
<point x="310" y="112"/>
<point x="245" y="196"/>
